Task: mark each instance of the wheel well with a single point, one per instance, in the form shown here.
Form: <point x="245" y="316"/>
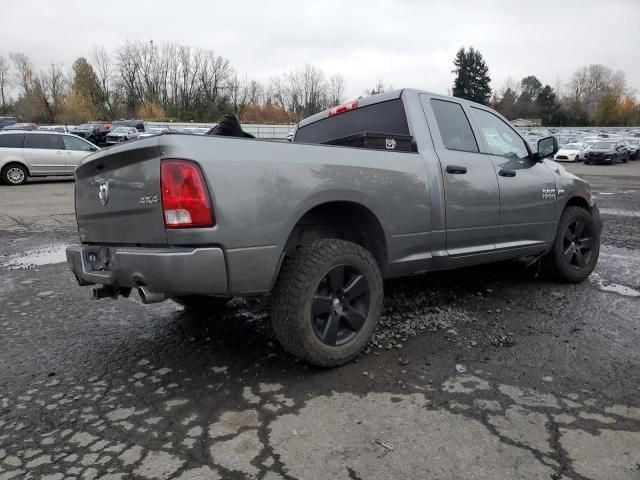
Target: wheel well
<point x="578" y="202"/>
<point x="344" y="220"/>
<point x="16" y="163"/>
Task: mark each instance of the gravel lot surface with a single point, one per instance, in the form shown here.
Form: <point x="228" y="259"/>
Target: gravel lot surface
<point x="489" y="372"/>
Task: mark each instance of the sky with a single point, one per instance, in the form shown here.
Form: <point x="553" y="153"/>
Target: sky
<point x="406" y="43"/>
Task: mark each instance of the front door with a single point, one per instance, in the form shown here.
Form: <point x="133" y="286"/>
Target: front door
<point x="527" y="187"/>
<point x="472" y="201"/>
<point x="76" y="150"/>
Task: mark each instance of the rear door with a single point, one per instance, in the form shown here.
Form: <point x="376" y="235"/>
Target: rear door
<point x="44" y="154"/>
<point x="76" y="150"/>
<point x="472" y="202"/>
<point x="527" y="187"/>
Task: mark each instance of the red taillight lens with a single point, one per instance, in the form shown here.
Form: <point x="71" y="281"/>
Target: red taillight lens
<point x="185" y="200"/>
<point x="345" y="107"/>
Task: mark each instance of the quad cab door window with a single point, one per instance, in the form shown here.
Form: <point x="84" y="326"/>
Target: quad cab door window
<point x="527" y="186"/>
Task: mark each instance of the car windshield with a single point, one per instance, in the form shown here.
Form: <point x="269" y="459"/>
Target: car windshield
<point x="633" y="141"/>
<point x="120" y="130"/>
<point x="606" y="145"/>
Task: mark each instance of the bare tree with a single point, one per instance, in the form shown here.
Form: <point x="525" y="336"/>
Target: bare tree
<point x="105" y="72"/>
<point x="24" y="71"/>
<point x="5" y="82"/>
<point x="337" y="87"/>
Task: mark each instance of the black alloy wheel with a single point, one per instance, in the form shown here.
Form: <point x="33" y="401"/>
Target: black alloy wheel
<point x="340" y="305"/>
<point x="578" y="243"/>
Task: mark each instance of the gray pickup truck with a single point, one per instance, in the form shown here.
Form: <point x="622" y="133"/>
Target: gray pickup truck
<point x="396" y="184"/>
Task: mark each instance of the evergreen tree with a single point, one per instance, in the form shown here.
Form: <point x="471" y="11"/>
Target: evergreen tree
<point x="547" y="105"/>
<point x="472" y="76"/>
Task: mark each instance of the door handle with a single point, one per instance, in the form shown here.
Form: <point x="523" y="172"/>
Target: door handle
<point x="456" y="169"/>
<point x="59" y="152"/>
<point x="507" y="173"/>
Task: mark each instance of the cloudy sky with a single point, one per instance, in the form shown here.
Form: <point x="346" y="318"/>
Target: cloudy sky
<point x="403" y="43"/>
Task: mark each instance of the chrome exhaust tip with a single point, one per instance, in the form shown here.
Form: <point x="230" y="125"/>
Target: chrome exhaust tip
<point x="147" y="296"/>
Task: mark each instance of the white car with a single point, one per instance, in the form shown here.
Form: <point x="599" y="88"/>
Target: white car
<point x="122" y="134"/>
<point x="39" y="154"/>
<point x="151" y="131"/>
<point x="571" y="152"/>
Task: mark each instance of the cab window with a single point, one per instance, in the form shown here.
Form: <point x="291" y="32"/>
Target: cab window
<point x="454" y="126"/>
<point x="499" y="137"/>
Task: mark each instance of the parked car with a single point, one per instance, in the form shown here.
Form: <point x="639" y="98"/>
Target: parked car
<point x="571" y="152"/>
<point x="39" y="154"/>
<point x="7" y="121"/>
<point x="53" y="128"/>
<point x="606" y="151"/>
<point x="121" y="134"/>
<point x="20" y="126"/>
<point x="95" y="133"/>
<point x="364" y="192"/>
<point x="137" y="124"/>
<point x="633" y="145"/>
<point x="154" y="131"/>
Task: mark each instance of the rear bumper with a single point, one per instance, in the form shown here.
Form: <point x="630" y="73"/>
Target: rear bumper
<point x="197" y="271"/>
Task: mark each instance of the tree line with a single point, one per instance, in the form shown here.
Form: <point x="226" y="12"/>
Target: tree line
<point x="594" y="95"/>
<point x="166" y="82"/>
<point x="177" y="82"/>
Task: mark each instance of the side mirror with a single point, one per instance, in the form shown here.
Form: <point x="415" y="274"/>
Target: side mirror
<point x="547" y="147"/>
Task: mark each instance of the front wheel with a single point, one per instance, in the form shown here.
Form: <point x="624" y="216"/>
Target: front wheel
<point x="327" y="302"/>
<point x="14" y="174"/>
<point x="576" y="246"/>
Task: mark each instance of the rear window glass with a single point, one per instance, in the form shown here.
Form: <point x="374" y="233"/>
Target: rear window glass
<point x="386" y="117"/>
<point x="51" y="142"/>
<point x="454" y="126"/>
<point x="11" y="140"/>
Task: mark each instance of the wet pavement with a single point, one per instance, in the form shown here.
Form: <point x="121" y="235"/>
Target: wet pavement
<point x="547" y="383"/>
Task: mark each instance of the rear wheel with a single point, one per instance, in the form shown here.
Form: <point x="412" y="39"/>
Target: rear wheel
<point x="327" y="302"/>
<point x="202" y="303"/>
<point x="14" y="174"/>
<point x="576" y="246"/>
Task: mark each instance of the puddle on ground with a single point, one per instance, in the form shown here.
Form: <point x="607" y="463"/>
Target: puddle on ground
<point x="54" y="253"/>
<point x="606" y="286"/>
<point x="622" y="212"/>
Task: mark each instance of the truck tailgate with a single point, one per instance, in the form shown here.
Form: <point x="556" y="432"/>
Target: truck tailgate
<point x="118" y="196"/>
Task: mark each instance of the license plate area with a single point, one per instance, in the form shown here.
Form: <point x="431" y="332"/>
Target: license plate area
<point x="98" y="259"/>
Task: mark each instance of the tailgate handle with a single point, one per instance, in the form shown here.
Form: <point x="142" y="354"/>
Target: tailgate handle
<point x="456" y="169"/>
<point x="507" y="173"/>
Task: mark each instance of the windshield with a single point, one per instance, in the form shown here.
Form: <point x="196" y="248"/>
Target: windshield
<point x="120" y="130"/>
<point x="605" y="145"/>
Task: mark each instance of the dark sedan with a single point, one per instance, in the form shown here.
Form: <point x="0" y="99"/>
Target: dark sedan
<point x="607" y="151"/>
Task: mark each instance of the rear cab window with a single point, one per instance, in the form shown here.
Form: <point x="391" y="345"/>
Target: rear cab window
<point x="386" y="117"/>
<point x="11" y="140"/>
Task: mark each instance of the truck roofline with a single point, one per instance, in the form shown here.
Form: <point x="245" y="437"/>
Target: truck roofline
<point x="384" y="97"/>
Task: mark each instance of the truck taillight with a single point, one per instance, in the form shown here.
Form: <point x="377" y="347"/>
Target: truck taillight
<point x="345" y="107"/>
<point x="185" y="199"/>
